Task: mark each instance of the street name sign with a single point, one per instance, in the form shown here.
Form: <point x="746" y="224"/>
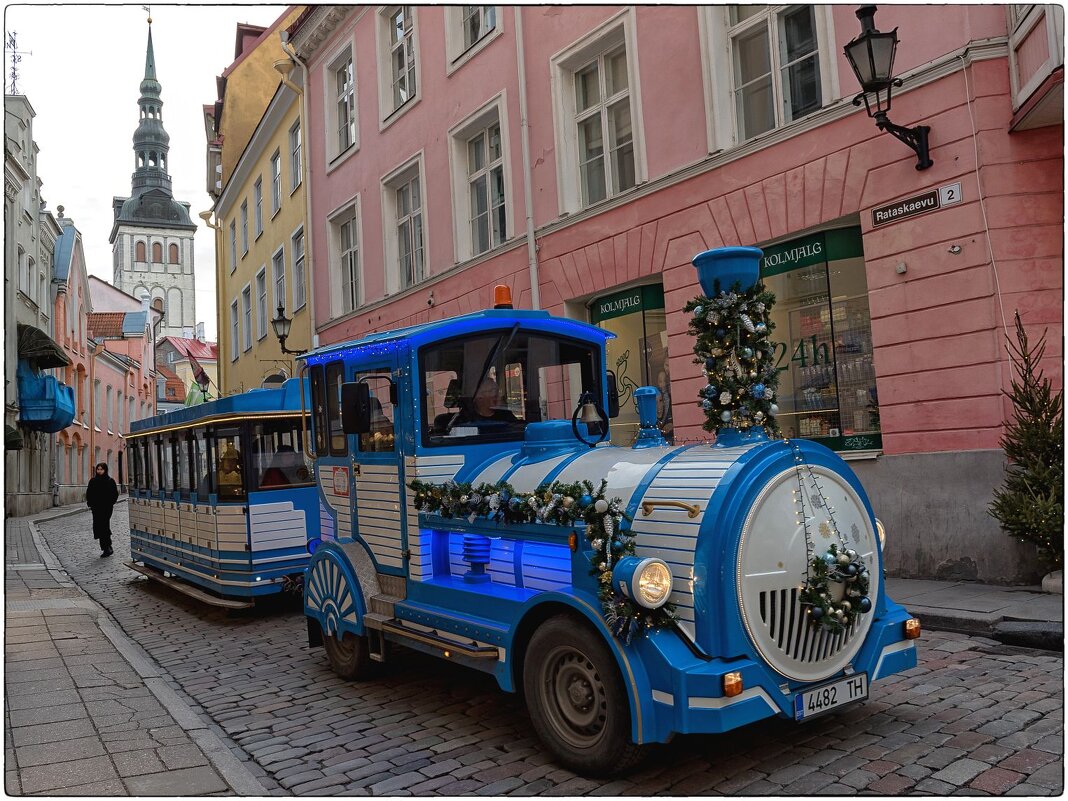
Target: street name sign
<point x="948" y="195"/>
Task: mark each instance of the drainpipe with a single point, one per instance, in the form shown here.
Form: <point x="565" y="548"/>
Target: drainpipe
<point x="528" y="198"/>
<point x="305" y="170"/>
<point x="220" y="364"/>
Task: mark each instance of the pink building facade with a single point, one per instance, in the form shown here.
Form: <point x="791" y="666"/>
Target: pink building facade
<point x="559" y="150"/>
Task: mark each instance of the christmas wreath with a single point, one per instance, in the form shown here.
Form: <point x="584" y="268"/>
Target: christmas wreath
<point x="563" y="505"/>
<point x="732" y="333"/>
<point x="841" y="567"/>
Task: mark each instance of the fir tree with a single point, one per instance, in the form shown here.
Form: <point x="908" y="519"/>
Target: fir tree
<point x="1030" y="505"/>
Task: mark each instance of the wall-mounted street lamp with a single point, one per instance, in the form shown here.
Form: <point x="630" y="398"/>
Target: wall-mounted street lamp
<point x="871" y="55"/>
<point x="281" y="325"/>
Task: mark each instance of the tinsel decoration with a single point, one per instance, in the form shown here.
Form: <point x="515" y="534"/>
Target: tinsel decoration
<point x="733" y="346"/>
<point x="562" y="505"/>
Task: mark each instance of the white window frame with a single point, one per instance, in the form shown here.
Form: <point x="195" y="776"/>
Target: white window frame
<point x="233" y="245"/>
<point x="413" y="167"/>
<point x="278" y="258"/>
<point x="335" y="155"/>
<point x="718" y="74"/>
<point x="244" y="228"/>
<point x="456" y="55"/>
<point x="235" y="332"/>
<point x="257" y="197"/>
<point x="618" y="29"/>
<point x="495" y="111"/>
<point x="246" y="317"/>
<point x="340" y="283"/>
<point x="296" y="154"/>
<point x="261" y="303"/>
<point x="388" y="111"/>
<point x="300" y="277"/>
<point x="276" y="182"/>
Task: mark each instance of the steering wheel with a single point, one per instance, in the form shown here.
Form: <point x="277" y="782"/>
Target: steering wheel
<point x="584" y="398"/>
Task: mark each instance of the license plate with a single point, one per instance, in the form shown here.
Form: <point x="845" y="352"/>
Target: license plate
<point x="831" y="696"/>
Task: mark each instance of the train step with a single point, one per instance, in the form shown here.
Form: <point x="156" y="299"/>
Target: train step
<point x="380" y="625"/>
<point x="383" y="604"/>
<point x="188" y="589"/>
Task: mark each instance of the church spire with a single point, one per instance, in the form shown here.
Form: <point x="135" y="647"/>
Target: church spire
<point x="150" y="141"/>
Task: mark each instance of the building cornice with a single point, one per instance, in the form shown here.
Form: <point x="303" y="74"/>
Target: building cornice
<point x="318" y="28"/>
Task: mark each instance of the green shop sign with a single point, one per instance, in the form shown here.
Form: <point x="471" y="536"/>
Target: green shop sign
<point x="629" y="301"/>
<point x="839" y="243"/>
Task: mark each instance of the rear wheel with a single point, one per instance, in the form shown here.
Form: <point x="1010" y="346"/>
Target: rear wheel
<point x="577" y="700"/>
<point x="349" y="655"/>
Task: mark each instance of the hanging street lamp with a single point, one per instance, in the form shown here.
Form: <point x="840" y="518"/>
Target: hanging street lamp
<point x="871" y="55"/>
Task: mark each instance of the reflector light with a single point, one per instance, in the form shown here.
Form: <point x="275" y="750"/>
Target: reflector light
<point x="732" y="684"/>
<point x="912" y="628"/>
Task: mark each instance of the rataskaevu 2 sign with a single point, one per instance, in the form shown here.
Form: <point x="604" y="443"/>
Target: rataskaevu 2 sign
<point x="917" y="204"/>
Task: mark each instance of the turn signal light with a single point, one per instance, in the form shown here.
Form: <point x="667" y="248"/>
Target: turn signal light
<point x="732" y="684"/>
<point x="912" y="628"/>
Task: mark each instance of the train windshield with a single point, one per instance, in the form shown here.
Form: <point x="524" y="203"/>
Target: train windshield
<point x="488" y="387"/>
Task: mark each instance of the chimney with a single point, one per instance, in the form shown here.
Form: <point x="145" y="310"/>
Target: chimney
<point x="200" y="336"/>
<point x="187" y="332"/>
<point x="144" y="301"/>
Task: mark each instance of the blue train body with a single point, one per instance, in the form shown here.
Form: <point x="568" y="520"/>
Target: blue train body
<point x="724" y="519"/>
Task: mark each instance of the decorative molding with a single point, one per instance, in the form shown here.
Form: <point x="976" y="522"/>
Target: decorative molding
<point x="319" y="27"/>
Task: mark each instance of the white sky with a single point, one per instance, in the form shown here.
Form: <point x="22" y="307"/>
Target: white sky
<point x="83" y="80"/>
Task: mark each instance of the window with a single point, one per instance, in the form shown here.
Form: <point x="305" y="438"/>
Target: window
<point x="485" y="176"/>
<point x="229" y="464"/>
<point x="201" y="461"/>
<point x="157" y="253"/>
<point x="380" y="437"/>
<point x="244" y="227"/>
<point x="181" y="464"/>
<point x="233" y="332"/>
<point x="775" y="66"/>
<point x="408" y="208"/>
<point x="276" y="182"/>
<point x="345" y="89"/>
<point x="166" y="464"/>
<point x="31" y="268"/>
<point x="173" y="250"/>
<point x="402" y="55"/>
<point x="335" y="375"/>
<point x="602" y="118"/>
<point x="107" y="408"/>
<point x="349" y="249"/>
<point x="299" y="298"/>
<point x="487" y="387"/>
<point x="278" y="455"/>
<point x="318" y="410"/>
<point x="296" y="167"/>
<point x="257" y="202"/>
<point x="134" y="455"/>
<point x="278" y="272"/>
<point x="139" y="250"/>
<point x="261" y="304"/>
<point x="233" y="245"/>
<point x="477" y="21"/>
<point x="246" y="314"/>
<point x="151" y="465"/>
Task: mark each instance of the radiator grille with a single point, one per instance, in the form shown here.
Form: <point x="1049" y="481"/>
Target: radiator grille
<point x="787" y="626"/>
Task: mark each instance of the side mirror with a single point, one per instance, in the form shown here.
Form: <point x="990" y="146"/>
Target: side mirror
<point x="355" y="407"/>
<point x="613" y="395"/>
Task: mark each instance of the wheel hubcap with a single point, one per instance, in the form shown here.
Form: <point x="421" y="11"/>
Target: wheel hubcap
<point x="575" y="697"/>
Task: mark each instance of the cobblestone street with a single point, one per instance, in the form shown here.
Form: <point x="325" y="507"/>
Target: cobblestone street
<point x="974" y="718"/>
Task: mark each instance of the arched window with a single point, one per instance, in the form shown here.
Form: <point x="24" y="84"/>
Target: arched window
<point x="140" y="248"/>
<point x="173" y="254"/>
<point x="157" y="252"/>
<point x="140" y="160"/>
<point x="157" y="304"/>
<point x="152" y="159"/>
<point x="174" y="303"/>
<point x="163" y="161"/>
<point x="30" y="282"/>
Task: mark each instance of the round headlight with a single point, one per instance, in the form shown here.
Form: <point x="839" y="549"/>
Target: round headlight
<point x="881" y="530"/>
<point x="645" y="581"/>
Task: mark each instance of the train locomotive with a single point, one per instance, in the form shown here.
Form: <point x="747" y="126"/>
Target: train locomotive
<point x="475" y="512"/>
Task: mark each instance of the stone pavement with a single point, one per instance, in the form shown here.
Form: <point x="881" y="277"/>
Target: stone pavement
<point x="86" y="713"/>
<point x="975" y="717"/>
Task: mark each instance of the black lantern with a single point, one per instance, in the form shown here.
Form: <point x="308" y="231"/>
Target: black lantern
<point x="871" y="55"/>
<point x="281" y="325"/>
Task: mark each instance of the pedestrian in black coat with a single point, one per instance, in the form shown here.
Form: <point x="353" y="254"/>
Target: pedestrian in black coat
<point x="101" y="496"/>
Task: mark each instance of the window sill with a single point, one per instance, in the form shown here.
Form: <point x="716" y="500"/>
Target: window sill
<point x="293" y="190"/>
<point x="342" y="157"/>
<point x="275" y="213"/>
<point x="399" y="111"/>
<point x="472" y="51"/>
<point x="257" y="237"/>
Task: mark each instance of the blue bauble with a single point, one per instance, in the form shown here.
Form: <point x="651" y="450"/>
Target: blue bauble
<point x="585" y="500"/>
<point x="698" y="311"/>
<point x="515" y="504"/>
<point x="746" y="353"/>
<point x="830" y="559"/>
<point x="505" y="495"/>
<point x="617" y="545"/>
<point x="817" y="612"/>
<point x="720" y="333"/>
<point x="850" y="570"/>
<point x="864" y="604"/>
<point x="706" y="404"/>
<point x="710" y="364"/>
<point x="710" y="391"/>
<point x="760" y="328"/>
<point x="725" y="416"/>
<point x="757" y="391"/>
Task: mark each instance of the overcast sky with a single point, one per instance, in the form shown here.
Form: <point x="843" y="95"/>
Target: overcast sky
<point x="81" y="73"/>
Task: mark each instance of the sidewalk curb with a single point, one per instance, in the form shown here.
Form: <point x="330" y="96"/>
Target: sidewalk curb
<point x="242" y="781"/>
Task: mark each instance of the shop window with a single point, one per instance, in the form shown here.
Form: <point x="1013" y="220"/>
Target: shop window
<point x="822" y="339"/>
<point x="278" y="454"/>
<point x="638" y="355"/>
<point x="381" y="436"/>
<point x="229" y="465"/>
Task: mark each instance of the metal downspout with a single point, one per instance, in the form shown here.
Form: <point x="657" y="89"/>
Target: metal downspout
<point x="528" y="197"/>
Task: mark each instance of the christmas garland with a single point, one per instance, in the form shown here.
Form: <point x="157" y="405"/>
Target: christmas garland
<point x="842" y="567"/>
<point x="563" y="505"/>
<point x="733" y="345"/>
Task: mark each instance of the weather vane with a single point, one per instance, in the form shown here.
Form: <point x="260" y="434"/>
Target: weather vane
<point x="148" y="10"/>
<point x="16" y="57"/>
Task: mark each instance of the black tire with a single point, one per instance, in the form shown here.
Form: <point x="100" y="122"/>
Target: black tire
<point x="577" y="700"/>
<point x="349" y="657"/>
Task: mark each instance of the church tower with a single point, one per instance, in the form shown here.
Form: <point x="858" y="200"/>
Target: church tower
<point x="152" y="236"/>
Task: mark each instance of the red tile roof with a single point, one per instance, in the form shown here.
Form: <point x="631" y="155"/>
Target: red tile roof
<point x="173" y="382"/>
<point x="105" y="324"/>
<point x="196" y="348"/>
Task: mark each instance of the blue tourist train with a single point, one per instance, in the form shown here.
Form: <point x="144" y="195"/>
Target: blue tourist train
<point x="222" y="501"/>
<point x="475" y="511"/>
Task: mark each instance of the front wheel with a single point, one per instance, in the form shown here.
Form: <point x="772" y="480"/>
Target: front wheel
<point x="576" y="698"/>
<point x="349" y="655"/>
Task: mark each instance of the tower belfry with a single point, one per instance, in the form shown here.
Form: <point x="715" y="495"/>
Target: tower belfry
<point x="152" y="236"/>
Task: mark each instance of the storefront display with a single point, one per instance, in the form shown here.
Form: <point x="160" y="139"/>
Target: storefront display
<point x="827" y="385"/>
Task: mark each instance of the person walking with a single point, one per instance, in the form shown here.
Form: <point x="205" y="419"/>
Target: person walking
<point x="101" y="496"/>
